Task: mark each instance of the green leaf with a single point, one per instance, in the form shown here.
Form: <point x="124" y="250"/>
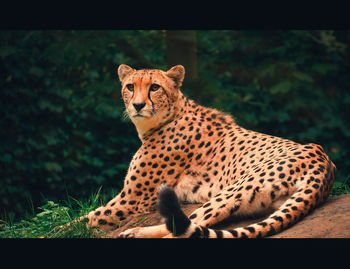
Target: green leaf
<point x="303" y="76"/>
<point x="281" y="88"/>
<point x="53" y="167"/>
<point x="36" y="71"/>
<point x="7" y="158"/>
<point x="6" y="51"/>
<point x="323" y="68"/>
<point x="45" y="104"/>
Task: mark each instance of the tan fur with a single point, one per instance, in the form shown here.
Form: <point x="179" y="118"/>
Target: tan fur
<point x="206" y="157"/>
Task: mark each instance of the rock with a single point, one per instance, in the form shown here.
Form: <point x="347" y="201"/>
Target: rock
<point x="330" y="220"/>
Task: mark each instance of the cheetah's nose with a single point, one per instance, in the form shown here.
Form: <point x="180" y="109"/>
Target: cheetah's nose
<point x="138" y="106"/>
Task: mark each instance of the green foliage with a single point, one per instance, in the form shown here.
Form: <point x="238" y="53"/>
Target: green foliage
<point x="341" y="187"/>
<point x="62" y="128"/>
<point x="48" y="222"/>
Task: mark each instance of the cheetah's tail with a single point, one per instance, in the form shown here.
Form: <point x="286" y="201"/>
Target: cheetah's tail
<point x="169" y="208"/>
<point x="292" y="210"/>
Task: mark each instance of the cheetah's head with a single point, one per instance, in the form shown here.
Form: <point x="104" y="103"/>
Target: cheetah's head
<point x="150" y="95"/>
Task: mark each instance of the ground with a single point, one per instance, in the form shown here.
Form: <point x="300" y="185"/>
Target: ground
<point x="330" y="220"/>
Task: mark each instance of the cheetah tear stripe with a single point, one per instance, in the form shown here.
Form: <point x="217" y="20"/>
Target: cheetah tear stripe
<point x="204" y="156"/>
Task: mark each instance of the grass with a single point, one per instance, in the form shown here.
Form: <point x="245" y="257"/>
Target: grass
<point x="342" y="187"/>
<point x="47" y="222"/>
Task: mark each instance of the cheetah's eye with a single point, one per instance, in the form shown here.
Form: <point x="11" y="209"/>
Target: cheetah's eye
<point x="154" y="87"/>
<point x="130" y="87"/>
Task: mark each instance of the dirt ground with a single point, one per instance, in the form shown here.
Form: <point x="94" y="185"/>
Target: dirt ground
<point x="330" y="220"/>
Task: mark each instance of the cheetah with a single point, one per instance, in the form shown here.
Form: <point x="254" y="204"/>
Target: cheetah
<point x="200" y="155"/>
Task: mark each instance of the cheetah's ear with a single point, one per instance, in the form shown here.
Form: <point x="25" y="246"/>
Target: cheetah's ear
<point x="123" y="71"/>
<point x="176" y="73"/>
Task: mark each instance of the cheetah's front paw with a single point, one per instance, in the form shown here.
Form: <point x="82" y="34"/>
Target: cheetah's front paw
<point x="156" y="231"/>
<point x="132" y="233"/>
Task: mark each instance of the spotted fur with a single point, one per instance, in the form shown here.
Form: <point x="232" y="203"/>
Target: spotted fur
<point x="203" y="156"/>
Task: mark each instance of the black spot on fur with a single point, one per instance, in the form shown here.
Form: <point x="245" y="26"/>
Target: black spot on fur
<point x="218" y="233"/>
<point x="233" y="232"/>
<point x="250" y="229"/>
<point x="193" y="216"/>
<point x="205" y="232"/>
<point x="278" y="218"/>
<point x="195" y="188"/>
<point x="234" y="209"/>
<point x="196" y="234"/>
<point x="102" y="222"/>
<point x="119" y="213"/>
<point x="272" y="231"/>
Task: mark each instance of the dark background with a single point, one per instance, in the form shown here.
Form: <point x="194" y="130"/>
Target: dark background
<point x="62" y="130"/>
